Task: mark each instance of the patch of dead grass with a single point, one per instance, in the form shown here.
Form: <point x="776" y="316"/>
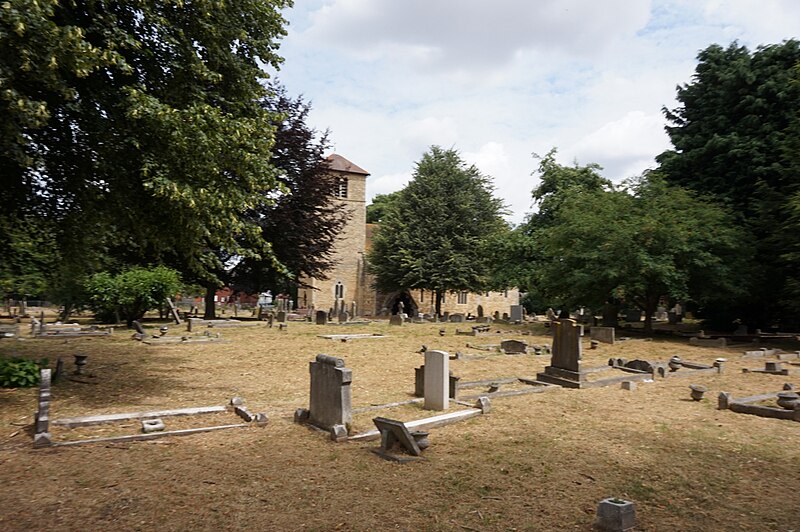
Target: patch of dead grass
<point x="537" y="462"/>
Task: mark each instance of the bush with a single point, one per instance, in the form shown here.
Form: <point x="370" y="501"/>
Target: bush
<point x="131" y="293"/>
<point x="18" y="372"/>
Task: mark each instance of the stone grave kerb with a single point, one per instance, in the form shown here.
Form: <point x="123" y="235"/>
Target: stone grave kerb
<point x="330" y="402"/>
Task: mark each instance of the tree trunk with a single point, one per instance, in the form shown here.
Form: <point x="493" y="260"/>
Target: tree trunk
<point x="438" y="295"/>
<point x="650" y="305"/>
<point x="610" y="314"/>
<point x="210" y="310"/>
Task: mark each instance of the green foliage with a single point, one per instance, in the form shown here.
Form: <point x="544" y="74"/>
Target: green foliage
<point x="135" y="127"/>
<point x="18" y="372"/>
<point x="377" y="210"/>
<point x="557" y="182"/>
<point x="29" y="253"/>
<point x="736" y="135"/>
<point x="131" y="293"/>
<point x="436" y="233"/>
<point x="637" y="244"/>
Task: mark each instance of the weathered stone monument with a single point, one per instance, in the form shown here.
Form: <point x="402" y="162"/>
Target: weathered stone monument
<point x="565" y="363"/>
<point x="321" y="317"/>
<point x="602" y="334"/>
<point x="516" y="312"/>
<point x="396" y="319"/>
<point x="437" y="380"/>
<point x="512" y="347"/>
<point x="42" y="436"/>
<point x="330" y="405"/>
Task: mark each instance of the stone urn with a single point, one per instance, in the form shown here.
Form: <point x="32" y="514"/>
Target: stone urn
<point x="697" y="391"/>
<point x="788" y="400"/>
<point x="421" y="437"/>
<point x="675" y="363"/>
<point x="80" y="361"/>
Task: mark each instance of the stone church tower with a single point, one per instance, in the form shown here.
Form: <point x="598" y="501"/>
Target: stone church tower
<point x="344" y="287"/>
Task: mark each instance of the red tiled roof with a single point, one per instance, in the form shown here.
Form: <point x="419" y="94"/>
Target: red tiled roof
<point x="339" y="163"/>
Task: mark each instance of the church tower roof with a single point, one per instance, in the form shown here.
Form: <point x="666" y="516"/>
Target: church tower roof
<point x="339" y="163"/>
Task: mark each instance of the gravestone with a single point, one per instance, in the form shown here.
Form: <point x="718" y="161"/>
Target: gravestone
<point x="419" y="383"/>
<point x="480" y="311"/>
<point x="602" y="334"/>
<point x="446" y="316"/>
<point x="496" y="315"/>
<point x="280" y="317"/>
<point x="330" y="404"/>
<point x="321" y="317"/>
<point x="510" y="347"/>
<point x="516" y="312"/>
<point x="395" y="432"/>
<point x="741" y="330"/>
<point x="456" y="318"/>
<point x="174" y="311"/>
<point x="633" y="315"/>
<point x="437" y="371"/>
<point x="42" y="437"/>
<point x="344" y="317"/>
<point x="396" y="319"/>
<point x="565" y="362"/>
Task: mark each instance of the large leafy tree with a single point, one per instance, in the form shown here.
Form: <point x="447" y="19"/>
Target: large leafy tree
<point x="436" y="232"/>
<point x="636" y="244"/>
<point x="736" y="135"/>
<point x="135" y="128"/>
<point x="302" y="221"/>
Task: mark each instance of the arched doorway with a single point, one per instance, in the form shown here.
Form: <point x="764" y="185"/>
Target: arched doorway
<point x="409" y="306"/>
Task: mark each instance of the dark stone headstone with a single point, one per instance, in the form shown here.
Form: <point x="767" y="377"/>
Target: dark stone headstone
<point x="395" y="432"/>
<point x="516" y="312"/>
<point x="321" y="317"/>
<point x="513" y="346"/>
<point x="330" y="402"/>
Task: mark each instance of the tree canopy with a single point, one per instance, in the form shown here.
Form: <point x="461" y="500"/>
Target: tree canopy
<point x="636" y="244"/>
<point x="303" y="220"/>
<point x="736" y="135"/>
<point x="135" y="128"/>
<point x="379" y="207"/>
<point x="435" y="233"/>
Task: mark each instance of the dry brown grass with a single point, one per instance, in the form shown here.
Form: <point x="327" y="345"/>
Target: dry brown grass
<point x="537" y="462"/>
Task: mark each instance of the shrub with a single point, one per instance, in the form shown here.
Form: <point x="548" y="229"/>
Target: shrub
<point x="18" y="372"/>
<point x="131" y="293"/>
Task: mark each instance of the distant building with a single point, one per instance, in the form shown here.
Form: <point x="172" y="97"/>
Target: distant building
<point x="350" y="285"/>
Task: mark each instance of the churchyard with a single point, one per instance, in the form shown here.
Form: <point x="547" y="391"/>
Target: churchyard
<point x="535" y="461"/>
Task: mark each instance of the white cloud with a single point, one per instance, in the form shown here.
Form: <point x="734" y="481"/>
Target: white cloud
<point x="500" y="80"/>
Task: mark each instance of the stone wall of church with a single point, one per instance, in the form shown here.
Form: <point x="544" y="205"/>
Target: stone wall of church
<point x="348" y="253"/>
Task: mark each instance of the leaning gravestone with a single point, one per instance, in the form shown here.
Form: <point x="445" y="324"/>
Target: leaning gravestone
<point x="437" y="380"/>
<point x="396" y="319"/>
<point x="321" y="317"/>
<point x="330" y="405"/>
<point x="565" y="363"/>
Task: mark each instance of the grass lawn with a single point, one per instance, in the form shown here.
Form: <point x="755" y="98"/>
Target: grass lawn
<point x="536" y="462"/>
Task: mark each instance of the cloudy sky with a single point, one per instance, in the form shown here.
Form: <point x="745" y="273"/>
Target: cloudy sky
<point x="500" y="80"/>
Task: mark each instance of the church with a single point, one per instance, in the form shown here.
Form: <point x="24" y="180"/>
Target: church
<point x="349" y="284"/>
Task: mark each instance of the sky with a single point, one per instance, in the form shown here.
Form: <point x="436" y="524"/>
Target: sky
<point x="503" y="80"/>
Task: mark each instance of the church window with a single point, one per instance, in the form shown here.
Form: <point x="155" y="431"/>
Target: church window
<point x="340" y="190"/>
<point x="339" y="290"/>
<point x="462" y="297"/>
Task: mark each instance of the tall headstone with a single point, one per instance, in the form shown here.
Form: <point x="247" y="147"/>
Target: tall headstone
<point x="516" y="312"/>
<point x="565" y="363"/>
<point x="330" y="403"/>
<point x="41" y="436"/>
<point x="437" y="386"/>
